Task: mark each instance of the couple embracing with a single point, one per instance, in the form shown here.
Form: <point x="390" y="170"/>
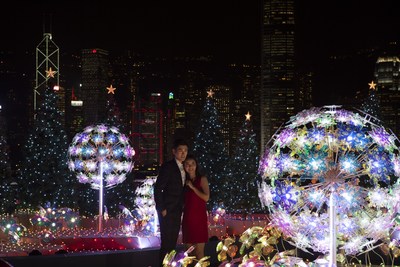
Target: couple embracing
<point x="181" y="189"/>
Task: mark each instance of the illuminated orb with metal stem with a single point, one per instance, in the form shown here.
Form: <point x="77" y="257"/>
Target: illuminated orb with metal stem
<point x="102" y="156"/>
<point x="330" y="181"/>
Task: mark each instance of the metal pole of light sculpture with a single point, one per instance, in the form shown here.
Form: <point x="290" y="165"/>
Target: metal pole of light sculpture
<point x="101" y="156"/>
<point x="332" y="229"/>
<point x="101" y="197"/>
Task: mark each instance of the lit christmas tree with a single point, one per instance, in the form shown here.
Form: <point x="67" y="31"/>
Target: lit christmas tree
<point x="113" y="116"/>
<point x="117" y="195"/>
<point x="44" y="176"/>
<point x="244" y="172"/>
<point x="210" y="150"/>
<point x="7" y="194"/>
<point x="371" y="105"/>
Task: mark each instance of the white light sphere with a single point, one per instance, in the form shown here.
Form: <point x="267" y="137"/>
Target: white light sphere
<point x="105" y="145"/>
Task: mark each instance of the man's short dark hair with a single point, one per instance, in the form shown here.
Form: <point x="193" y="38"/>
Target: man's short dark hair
<point x="179" y="142"/>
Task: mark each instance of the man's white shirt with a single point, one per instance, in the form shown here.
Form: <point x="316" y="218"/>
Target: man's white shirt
<point x="183" y="173"/>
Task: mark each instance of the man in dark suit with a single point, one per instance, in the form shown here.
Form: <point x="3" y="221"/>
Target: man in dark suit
<point x="168" y="195"/>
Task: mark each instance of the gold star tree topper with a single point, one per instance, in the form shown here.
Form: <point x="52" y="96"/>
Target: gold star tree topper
<point x="248" y="115"/>
<point x="372" y="85"/>
<point x="50" y="73"/>
<point x="210" y="93"/>
<point x="111" y="90"/>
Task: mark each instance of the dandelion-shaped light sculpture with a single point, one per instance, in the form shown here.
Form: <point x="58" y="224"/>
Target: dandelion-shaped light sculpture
<point x="101" y="156"/>
<point x="330" y="180"/>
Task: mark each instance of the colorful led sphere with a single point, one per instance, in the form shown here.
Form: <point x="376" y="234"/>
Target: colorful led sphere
<point x="332" y="153"/>
<point x="101" y="155"/>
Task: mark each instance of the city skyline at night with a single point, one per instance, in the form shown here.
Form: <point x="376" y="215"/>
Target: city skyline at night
<point x="337" y="44"/>
<point x="230" y="31"/>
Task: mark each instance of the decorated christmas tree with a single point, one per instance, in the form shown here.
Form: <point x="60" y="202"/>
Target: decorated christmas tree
<point x="118" y="195"/>
<point x="210" y="150"/>
<point x="7" y="194"/>
<point x="44" y="176"/>
<point x="113" y="116"/>
<point x="244" y="172"/>
<point x="371" y="104"/>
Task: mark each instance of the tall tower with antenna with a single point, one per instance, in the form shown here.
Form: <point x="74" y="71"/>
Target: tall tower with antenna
<point x="47" y="67"/>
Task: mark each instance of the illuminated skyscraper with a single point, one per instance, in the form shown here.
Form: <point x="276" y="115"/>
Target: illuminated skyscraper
<point x="189" y="103"/>
<point x="95" y="70"/>
<point x="147" y="131"/>
<point x="277" y="66"/>
<point x="47" y="67"/>
<point x="387" y="75"/>
<point x="74" y="122"/>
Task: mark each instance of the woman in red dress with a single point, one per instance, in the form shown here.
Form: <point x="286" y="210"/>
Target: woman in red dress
<point x="195" y="221"/>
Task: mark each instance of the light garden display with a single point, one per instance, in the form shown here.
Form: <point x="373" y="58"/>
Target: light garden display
<point x="330" y="182"/>
<point x="102" y="156"/>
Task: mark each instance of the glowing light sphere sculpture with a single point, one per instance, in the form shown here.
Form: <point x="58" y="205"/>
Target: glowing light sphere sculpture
<point x="102" y="156"/>
<point x="330" y="181"/>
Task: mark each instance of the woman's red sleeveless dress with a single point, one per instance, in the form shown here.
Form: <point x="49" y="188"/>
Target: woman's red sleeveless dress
<point x="194" y="222"/>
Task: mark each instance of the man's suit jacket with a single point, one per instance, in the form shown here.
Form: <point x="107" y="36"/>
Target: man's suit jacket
<point x="168" y="189"/>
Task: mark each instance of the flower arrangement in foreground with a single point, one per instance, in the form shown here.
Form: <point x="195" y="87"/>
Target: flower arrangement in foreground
<point x="261" y="246"/>
<point x="257" y="246"/>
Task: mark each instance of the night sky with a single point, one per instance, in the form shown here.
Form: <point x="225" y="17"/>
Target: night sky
<point x="355" y="32"/>
<point x="228" y="30"/>
<point x="338" y="27"/>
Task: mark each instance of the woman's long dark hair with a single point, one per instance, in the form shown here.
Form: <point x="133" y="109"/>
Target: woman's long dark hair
<point x="192" y="157"/>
